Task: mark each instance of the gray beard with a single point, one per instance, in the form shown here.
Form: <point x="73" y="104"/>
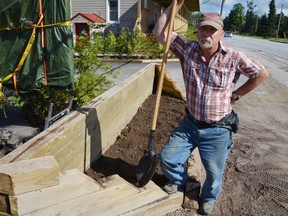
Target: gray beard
<point x="204" y="44"/>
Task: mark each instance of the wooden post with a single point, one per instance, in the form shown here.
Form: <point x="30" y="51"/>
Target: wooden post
<point x="28" y="175"/>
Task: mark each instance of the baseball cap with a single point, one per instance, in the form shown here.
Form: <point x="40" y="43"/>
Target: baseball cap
<point x="211" y="19"/>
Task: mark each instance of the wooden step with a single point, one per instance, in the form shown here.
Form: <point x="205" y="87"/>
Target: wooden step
<point x="73" y="184"/>
<point x="28" y="175"/>
<point x="78" y="194"/>
<point x="115" y="199"/>
<point x="160" y="207"/>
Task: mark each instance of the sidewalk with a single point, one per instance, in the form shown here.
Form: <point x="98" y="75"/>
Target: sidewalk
<point x="127" y="68"/>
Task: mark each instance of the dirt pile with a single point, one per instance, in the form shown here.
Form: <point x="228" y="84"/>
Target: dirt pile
<point x="124" y="155"/>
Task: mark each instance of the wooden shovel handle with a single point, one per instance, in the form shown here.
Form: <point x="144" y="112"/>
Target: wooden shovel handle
<point x="163" y="66"/>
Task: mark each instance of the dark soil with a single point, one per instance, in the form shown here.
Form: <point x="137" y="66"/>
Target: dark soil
<point x="124" y="155"/>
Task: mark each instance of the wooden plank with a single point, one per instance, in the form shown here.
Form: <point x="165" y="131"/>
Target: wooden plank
<point x="74" y="184"/>
<point x="191" y="5"/>
<point x="123" y="105"/>
<point x="28" y="175"/>
<point x="161" y="207"/>
<point x="151" y="193"/>
<point x="81" y="205"/>
<point x="113" y="180"/>
<point x="117" y="198"/>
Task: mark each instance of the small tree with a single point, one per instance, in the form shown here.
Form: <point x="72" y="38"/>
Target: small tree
<point x="91" y="84"/>
<point x="250" y="19"/>
<point x="124" y="43"/>
<point x="235" y="19"/>
<point x="271" y="28"/>
<point x="110" y="43"/>
<point x="262" y="29"/>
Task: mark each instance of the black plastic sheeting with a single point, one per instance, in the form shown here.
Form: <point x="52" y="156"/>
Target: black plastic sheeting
<point x="17" y="18"/>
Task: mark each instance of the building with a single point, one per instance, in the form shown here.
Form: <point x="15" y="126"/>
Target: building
<point x="80" y="23"/>
<point x="127" y="13"/>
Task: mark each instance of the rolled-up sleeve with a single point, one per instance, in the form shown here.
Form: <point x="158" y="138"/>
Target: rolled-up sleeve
<point x="249" y="67"/>
<point x="177" y="46"/>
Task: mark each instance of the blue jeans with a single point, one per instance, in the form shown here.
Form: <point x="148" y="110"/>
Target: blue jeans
<point x="214" y="145"/>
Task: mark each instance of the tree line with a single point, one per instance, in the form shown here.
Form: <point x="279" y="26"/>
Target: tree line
<point x="249" y="23"/>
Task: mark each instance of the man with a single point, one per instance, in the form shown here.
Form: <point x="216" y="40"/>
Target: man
<point x="210" y="72"/>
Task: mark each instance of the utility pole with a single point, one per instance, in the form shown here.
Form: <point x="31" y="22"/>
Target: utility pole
<point x="139" y="10"/>
<point x="279" y="22"/>
<point x="222" y="5"/>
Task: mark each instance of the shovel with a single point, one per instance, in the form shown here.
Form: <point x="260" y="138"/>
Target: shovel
<point x="149" y="162"/>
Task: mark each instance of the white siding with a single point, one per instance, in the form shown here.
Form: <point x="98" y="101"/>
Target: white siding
<point x="128" y="13"/>
<point x="89" y="6"/>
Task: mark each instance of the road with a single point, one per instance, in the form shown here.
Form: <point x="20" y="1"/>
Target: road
<point x="273" y="55"/>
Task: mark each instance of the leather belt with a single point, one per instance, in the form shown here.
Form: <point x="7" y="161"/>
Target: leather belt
<point x="200" y="124"/>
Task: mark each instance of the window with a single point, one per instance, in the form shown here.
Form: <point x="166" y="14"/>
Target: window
<point x="145" y="4"/>
<point x="113" y="10"/>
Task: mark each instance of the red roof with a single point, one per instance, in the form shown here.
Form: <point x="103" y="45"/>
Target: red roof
<point x="92" y="17"/>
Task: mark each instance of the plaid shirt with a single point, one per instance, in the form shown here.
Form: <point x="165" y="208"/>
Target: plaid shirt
<point x="209" y="87"/>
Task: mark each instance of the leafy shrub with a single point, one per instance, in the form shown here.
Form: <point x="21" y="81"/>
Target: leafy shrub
<point x="124" y="43"/>
<point x="132" y="45"/>
<point x="36" y="104"/>
<point x="190" y="34"/>
<point x="90" y="83"/>
<point x="110" y="43"/>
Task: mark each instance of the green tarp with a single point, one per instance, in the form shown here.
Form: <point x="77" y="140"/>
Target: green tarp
<point x="17" y="18"/>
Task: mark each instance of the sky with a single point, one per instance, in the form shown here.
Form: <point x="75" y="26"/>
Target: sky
<point x="262" y="6"/>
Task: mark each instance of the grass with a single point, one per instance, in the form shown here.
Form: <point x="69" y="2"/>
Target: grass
<point x="279" y="40"/>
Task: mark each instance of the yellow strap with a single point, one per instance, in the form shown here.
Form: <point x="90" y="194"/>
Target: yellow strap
<point x="2" y="81"/>
<point x="67" y="23"/>
<point x="27" y="49"/>
<point x="6" y="78"/>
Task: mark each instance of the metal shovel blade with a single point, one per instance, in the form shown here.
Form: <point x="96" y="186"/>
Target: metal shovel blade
<point x="146" y="168"/>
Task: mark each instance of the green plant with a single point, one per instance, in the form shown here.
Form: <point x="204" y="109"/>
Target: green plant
<point x="155" y="49"/>
<point x="124" y="43"/>
<point x="91" y="83"/>
<point x="35" y="104"/>
<point x="110" y="43"/>
<point x="190" y="34"/>
<point x="3" y="104"/>
<point x="145" y="46"/>
<point x="16" y="101"/>
<point x="132" y="45"/>
<point x="3" y="100"/>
